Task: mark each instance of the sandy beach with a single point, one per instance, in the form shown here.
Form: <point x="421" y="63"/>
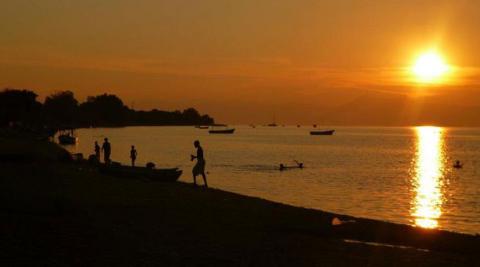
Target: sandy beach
<point x="60" y="213"/>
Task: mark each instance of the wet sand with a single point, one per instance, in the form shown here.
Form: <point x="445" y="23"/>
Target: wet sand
<point x="61" y="213"/>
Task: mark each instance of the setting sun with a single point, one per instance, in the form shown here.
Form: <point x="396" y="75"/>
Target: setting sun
<point x="430" y="67"/>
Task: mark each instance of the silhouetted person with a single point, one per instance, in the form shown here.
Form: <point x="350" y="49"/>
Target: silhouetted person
<point x="457" y="164"/>
<point x="133" y="155"/>
<point x="107" y="150"/>
<point x="199" y="168"/>
<point x="97" y="150"/>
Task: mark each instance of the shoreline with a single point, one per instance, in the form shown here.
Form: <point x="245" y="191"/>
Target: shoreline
<point x="85" y="211"/>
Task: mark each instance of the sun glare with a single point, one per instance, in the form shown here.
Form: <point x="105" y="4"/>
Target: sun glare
<point x="430" y="67"/>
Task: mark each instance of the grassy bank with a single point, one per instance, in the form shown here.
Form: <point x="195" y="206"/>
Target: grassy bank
<point x="60" y="213"/>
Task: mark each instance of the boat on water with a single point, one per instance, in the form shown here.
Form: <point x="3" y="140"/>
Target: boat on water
<point x="298" y="165"/>
<point x="67" y="137"/>
<point x="324" y="132"/>
<point x="161" y="175"/>
<point x="274" y="122"/>
<point x="222" y="131"/>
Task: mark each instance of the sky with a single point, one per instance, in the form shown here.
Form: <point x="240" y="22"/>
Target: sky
<point x="300" y="61"/>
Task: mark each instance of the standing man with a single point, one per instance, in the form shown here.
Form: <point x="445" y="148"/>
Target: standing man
<point x="97" y="151"/>
<point x="199" y="168"/>
<point x="107" y="150"/>
<point x="133" y="155"/>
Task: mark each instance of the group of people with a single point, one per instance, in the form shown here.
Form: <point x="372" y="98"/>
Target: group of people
<point x="198" y="169"/>
<point x="107" y="151"/>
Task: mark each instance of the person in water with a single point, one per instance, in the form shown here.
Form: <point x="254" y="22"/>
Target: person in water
<point x="133" y="155"/>
<point x="97" y="151"/>
<point x="199" y="168"/>
<point x="458" y="164"/>
<point x="107" y="150"/>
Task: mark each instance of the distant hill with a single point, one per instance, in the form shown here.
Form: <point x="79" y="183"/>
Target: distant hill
<point x="400" y="110"/>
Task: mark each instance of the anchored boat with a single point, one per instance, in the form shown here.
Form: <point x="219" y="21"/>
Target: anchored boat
<point x="324" y="132"/>
<point x="67" y="137"/>
<point x="222" y="131"/>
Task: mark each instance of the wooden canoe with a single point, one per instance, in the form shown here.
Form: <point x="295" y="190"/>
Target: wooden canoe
<point x="162" y="175"/>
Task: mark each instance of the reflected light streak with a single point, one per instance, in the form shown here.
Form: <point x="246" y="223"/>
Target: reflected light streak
<point x="428" y="174"/>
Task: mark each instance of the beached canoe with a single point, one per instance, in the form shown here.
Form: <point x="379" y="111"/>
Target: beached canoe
<point x="326" y="132"/>
<point x="225" y="131"/>
<point x="67" y="140"/>
<point x="162" y="175"/>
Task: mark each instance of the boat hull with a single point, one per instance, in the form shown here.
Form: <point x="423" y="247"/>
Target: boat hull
<point x="67" y="140"/>
<point x="329" y="132"/>
<point x="229" y="131"/>
<point x="161" y="175"/>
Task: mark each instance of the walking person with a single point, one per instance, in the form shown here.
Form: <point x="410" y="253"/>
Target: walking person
<point x="199" y="168"/>
<point x="107" y="150"/>
<point x="133" y="155"/>
<point x="97" y="151"/>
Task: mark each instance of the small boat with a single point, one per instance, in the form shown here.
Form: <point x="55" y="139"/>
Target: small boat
<point x="223" y="131"/>
<point x="161" y="175"/>
<point x="298" y="165"/>
<point x="273" y="123"/>
<point x="67" y="137"/>
<point x="325" y="132"/>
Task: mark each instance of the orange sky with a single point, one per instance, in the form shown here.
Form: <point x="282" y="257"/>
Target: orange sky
<point x="243" y="61"/>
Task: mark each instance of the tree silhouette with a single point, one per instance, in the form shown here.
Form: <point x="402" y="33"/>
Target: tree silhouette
<point x="18" y="106"/>
<point x="104" y="110"/>
<point x="61" y="108"/>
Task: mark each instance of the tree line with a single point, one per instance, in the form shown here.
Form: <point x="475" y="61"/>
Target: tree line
<point x="61" y="110"/>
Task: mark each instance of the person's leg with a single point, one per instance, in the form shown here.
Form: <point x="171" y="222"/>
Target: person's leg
<point x="205" y="179"/>
<point x="194" y="179"/>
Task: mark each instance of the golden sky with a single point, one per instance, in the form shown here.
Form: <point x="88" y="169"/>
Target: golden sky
<point x="235" y="59"/>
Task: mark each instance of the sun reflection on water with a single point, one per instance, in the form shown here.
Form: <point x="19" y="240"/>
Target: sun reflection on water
<point x="428" y="176"/>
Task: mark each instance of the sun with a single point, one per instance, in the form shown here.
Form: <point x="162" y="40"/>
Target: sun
<point x="430" y="67"/>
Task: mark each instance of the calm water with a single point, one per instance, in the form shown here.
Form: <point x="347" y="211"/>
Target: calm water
<point x="403" y="175"/>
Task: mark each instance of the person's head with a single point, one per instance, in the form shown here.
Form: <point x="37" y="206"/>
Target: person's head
<point x="106" y="139"/>
<point x="96" y="143"/>
<point x="196" y="143"/>
<point x="133" y="147"/>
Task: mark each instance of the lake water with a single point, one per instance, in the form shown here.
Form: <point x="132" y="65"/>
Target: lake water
<point x="402" y="175"/>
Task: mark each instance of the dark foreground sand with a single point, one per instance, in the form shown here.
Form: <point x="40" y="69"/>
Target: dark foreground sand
<point x="59" y="213"/>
